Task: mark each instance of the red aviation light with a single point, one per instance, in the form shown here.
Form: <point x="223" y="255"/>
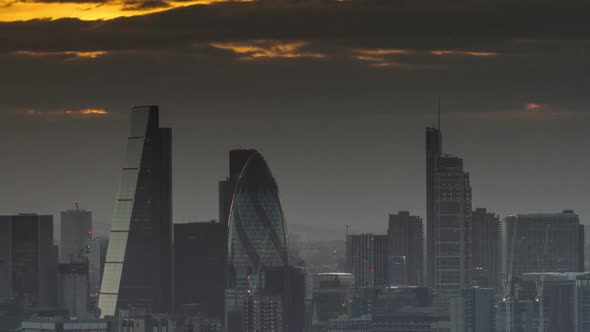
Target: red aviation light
<point x="89" y="232"/>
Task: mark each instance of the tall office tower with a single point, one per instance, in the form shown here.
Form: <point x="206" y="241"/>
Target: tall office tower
<point x="366" y="259"/>
<point x="28" y="260"/>
<point x="257" y="233"/>
<point x="474" y="310"/>
<point x="138" y="268"/>
<point x="433" y="152"/>
<point x="76" y="232"/>
<point x="543" y="243"/>
<point x="452" y="227"/>
<point x="199" y="256"/>
<point x="448" y="219"/>
<point x="485" y="249"/>
<point x="73" y="289"/>
<point x="405" y="236"/>
<point x="227" y="187"/>
<point x="97" y="254"/>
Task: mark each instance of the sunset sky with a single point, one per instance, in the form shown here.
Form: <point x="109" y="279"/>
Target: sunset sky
<point x="335" y="94"/>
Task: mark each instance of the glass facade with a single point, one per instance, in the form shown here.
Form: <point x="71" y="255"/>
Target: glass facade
<point x="257" y="238"/>
<point x="138" y="267"/>
<point x="257" y="233"/>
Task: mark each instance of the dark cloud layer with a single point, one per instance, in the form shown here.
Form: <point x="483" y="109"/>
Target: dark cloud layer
<point x="335" y="95"/>
<point x="372" y="23"/>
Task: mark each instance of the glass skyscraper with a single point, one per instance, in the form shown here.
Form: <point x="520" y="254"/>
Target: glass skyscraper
<point x="138" y="268"/>
<point x="448" y="222"/>
<point x="257" y="232"/>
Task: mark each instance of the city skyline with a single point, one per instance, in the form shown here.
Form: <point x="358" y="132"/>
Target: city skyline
<point x="377" y="217"/>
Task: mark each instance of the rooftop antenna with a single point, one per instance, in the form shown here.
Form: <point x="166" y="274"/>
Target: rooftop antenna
<point x="438" y="113"/>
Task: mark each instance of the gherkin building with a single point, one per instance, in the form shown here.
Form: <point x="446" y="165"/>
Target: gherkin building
<point x="257" y="231"/>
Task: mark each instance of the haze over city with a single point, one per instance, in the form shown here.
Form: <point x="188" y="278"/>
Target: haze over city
<point x="294" y="166"/>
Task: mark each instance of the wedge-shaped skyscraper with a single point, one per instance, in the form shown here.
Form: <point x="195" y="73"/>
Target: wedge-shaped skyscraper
<point x="138" y="268"/>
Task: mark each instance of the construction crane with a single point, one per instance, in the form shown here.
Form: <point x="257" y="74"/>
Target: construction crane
<point x="508" y="285"/>
<point x="540" y="284"/>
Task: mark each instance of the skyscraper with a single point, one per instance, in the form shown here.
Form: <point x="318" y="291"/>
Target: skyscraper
<point x="552" y="242"/>
<point x="199" y="265"/>
<point x="28" y="259"/>
<point x="433" y="152"/>
<point x="405" y="239"/>
<point x="485" y="249"/>
<point x="448" y="219"/>
<point x="366" y="259"/>
<point x="257" y="233"/>
<point x="227" y="187"/>
<point x="452" y="227"/>
<point x="138" y="268"/>
<point x="76" y="231"/>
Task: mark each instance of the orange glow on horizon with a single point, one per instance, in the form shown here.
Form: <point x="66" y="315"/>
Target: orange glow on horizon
<point x="261" y="49"/>
<point x="23" y="11"/>
<point x="93" y="111"/>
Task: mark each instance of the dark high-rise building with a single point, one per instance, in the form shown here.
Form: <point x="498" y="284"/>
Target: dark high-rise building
<point x="485" y="249"/>
<point x="257" y="235"/>
<point x="76" y="232"/>
<point x="405" y="239"/>
<point x="367" y="258"/>
<point x="452" y="227"/>
<point x="289" y="284"/>
<point x="28" y="259"/>
<point x="138" y="269"/>
<point x="199" y="258"/>
<point x="237" y="161"/>
<point x="448" y="219"/>
<point x="433" y="152"/>
<point x="544" y="243"/>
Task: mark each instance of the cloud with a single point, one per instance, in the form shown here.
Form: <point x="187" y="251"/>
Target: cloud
<point x="268" y="49"/>
<point x="406" y="58"/>
<point x="67" y="113"/>
<point x="463" y="53"/>
<point x="531" y="112"/>
<point x="89" y="10"/>
<point x="68" y="55"/>
<point x="533" y="106"/>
